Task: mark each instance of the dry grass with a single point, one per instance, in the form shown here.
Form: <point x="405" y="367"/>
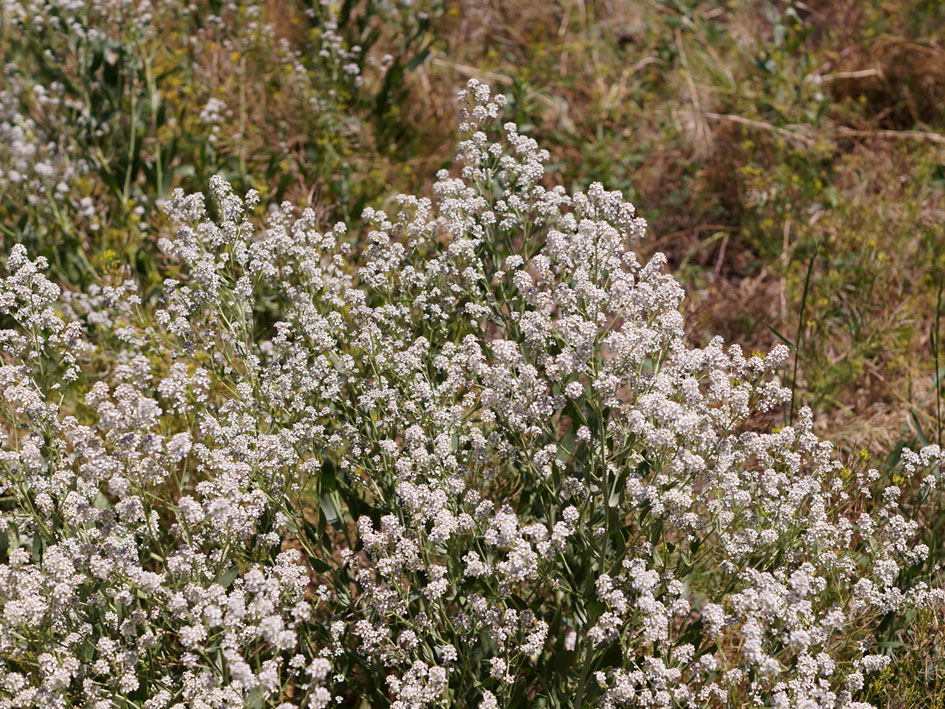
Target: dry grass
<point x="719" y="149"/>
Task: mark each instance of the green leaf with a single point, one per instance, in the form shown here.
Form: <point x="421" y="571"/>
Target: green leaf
<point x="254" y="700"/>
<point x="320" y="565"/>
<point x="228" y="576"/>
<point x="37" y="549"/>
<point x="329" y="510"/>
<point x="918" y="428"/>
<point x="781" y="337"/>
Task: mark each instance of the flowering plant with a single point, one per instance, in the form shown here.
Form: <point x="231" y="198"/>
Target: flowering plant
<point x="473" y="462"/>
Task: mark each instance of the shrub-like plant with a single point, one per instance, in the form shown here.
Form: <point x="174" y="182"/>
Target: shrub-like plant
<point x="467" y="458"/>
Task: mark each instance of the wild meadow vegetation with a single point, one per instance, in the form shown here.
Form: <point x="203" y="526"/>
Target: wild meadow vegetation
<point x="420" y="353"/>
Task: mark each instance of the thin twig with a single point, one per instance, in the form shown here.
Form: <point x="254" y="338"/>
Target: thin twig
<point x="701" y="227"/>
<point x="800" y="330"/>
<point x="936" y="332"/>
<point x="790" y="134"/>
<point x="472" y="72"/>
<point x="838" y="75"/>
<point x="836" y="132"/>
<point x="890" y="134"/>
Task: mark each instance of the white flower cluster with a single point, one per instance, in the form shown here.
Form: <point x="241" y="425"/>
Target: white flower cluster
<point x="38" y="168"/>
<point x="87" y="100"/>
<point x="462" y="456"/>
